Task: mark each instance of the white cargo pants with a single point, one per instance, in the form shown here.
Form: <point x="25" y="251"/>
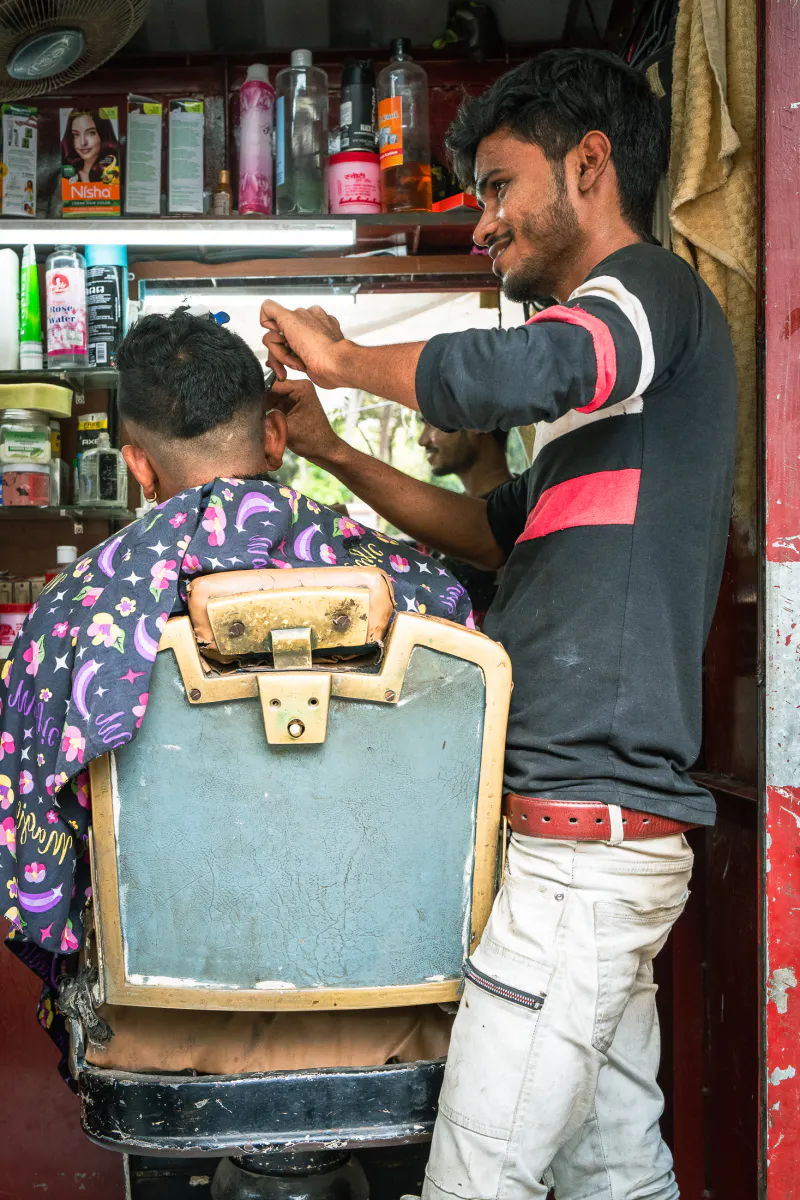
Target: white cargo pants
<point x="551" y="1078"/>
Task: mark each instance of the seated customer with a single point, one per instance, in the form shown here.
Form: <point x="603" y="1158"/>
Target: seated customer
<point x="201" y="442"/>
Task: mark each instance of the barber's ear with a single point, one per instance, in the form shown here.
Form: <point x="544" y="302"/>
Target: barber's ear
<point x="275" y="431"/>
<point x="142" y="468"/>
<point x="593" y="154"/>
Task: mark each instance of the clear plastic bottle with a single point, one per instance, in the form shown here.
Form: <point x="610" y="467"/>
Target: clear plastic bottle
<point x="404" y="133"/>
<point x="103" y="475"/>
<point x="66" y="308"/>
<point x="301" y="125"/>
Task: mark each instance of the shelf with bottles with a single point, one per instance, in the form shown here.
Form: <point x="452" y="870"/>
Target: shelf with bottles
<point x="77" y="513"/>
<point x="153" y="238"/>
<point x="79" y="379"/>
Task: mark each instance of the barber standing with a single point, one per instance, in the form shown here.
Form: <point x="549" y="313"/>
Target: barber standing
<point x="613" y="542"/>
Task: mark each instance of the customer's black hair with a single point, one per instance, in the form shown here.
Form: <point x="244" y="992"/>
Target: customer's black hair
<point x="181" y="375"/>
<point x="557" y="98"/>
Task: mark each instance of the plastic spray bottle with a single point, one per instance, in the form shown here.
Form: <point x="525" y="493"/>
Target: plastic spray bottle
<point x="257" y="107"/>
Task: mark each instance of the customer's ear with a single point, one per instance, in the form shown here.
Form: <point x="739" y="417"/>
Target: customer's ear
<point x="142" y="468"/>
<point x="275" y="430"/>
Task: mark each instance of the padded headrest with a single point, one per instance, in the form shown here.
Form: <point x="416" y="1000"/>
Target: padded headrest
<point x="337" y="588"/>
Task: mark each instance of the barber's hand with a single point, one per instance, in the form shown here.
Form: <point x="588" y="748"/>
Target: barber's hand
<point x="310" y="433"/>
<point x="304" y="339"/>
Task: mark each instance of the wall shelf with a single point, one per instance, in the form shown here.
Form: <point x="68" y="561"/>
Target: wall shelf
<point x="225" y="239"/>
<point x="77" y="378"/>
<point x="65" y="512"/>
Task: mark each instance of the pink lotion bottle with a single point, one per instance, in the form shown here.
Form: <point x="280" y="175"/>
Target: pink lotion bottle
<point x="257" y="109"/>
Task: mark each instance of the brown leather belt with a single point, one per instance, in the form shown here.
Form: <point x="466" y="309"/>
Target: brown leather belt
<point x="586" y="820"/>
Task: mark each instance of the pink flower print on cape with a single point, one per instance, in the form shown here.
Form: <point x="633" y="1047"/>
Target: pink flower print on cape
<point x="141" y="708"/>
<point x="35" y="872"/>
<point x="88" y="597"/>
<point x="69" y="943"/>
<point x="73" y="744"/>
<point x="470" y="622"/>
<point x="25" y="783"/>
<point x="162" y="574"/>
<point x="214" y="522"/>
<point x="52" y="816"/>
<point x="80" y="786"/>
<point x="61" y="629"/>
<point x="8" y="836"/>
<point x="178" y="520"/>
<point x="191" y="564"/>
<point x="399" y="565"/>
<point x="34" y="657"/>
<point x="6" y="745"/>
<point x="50" y="784"/>
<point x="104" y="632"/>
<point x="327" y="554"/>
<point x="344" y="527"/>
<point x="6" y="792"/>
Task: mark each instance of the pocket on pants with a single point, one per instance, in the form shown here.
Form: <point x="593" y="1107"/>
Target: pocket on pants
<point x="625" y="938"/>
<point x="492" y="1040"/>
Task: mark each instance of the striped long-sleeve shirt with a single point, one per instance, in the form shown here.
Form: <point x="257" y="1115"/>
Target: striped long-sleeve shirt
<point x="616" y="534"/>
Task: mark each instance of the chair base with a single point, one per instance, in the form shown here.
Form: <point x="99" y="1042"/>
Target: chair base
<point x="214" y="1115"/>
<point x="319" y="1175"/>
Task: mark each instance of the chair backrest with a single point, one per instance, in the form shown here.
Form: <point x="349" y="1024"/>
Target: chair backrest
<point x="285" y="834"/>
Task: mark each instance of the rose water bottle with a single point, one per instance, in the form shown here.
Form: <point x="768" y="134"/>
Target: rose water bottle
<point x="66" y="308"/>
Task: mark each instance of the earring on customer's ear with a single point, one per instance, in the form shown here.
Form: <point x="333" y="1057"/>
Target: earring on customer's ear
<point x="152" y="499"/>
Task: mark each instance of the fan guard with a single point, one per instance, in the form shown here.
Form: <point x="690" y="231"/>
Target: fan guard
<point x="47" y="44"/>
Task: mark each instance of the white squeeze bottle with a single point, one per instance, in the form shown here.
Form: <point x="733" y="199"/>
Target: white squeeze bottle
<point x="66" y="308"/>
<point x="257" y="107"/>
<point x="9" y="310"/>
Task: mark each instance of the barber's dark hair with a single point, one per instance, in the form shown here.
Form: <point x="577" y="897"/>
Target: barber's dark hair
<point x="501" y="437"/>
<point x="181" y="375"/>
<point x="557" y="98"/>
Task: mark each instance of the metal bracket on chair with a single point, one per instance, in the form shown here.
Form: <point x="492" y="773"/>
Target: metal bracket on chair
<point x="291" y="649"/>
<point x="295" y="706"/>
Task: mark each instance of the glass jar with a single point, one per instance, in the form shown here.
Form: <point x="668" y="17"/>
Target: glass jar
<point x="24" y="438"/>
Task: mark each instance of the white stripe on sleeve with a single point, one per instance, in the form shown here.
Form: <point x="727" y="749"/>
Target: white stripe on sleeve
<point x="606" y="287"/>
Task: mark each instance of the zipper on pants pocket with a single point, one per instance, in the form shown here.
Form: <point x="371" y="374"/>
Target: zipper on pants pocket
<point x="495" y="988"/>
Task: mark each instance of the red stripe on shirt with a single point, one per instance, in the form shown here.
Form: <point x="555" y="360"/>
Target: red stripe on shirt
<point x="602" y="498"/>
<point x="604" y="349"/>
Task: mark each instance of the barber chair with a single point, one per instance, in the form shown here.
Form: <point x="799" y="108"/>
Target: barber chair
<point x="291" y="863"/>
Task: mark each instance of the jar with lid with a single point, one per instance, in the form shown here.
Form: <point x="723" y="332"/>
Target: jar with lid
<point x="24" y="437"/>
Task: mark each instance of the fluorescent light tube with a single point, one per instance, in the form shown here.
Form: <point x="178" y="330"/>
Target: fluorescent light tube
<point x="319" y="234"/>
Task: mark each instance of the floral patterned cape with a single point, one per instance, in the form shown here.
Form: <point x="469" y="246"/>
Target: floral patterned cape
<point x="76" y="683"/>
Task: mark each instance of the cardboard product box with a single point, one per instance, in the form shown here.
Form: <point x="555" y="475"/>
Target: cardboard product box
<point x="18" y="179"/>
<point x="90" y="162"/>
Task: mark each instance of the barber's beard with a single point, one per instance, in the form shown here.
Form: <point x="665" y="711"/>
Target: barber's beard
<point x="556" y="234"/>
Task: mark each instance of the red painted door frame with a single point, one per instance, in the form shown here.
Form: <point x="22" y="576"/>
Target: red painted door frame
<point x="780" y="867"/>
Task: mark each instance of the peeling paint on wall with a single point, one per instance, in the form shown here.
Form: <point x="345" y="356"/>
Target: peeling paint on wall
<point x="779" y="1074"/>
<point x="780" y="981"/>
